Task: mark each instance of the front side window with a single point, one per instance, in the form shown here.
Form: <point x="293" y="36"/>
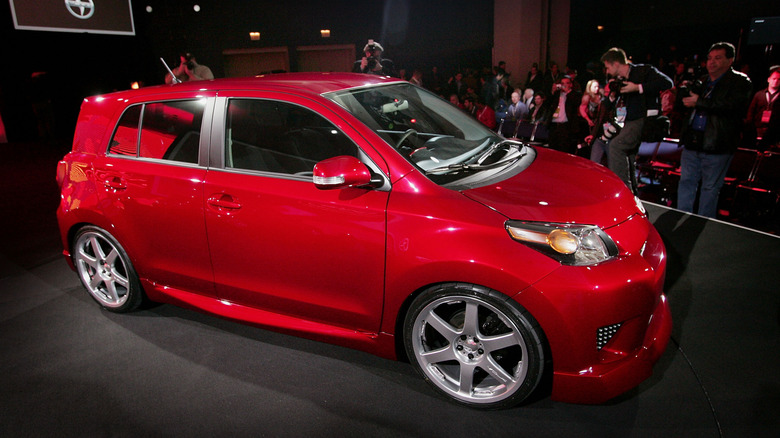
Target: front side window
<point x="168" y="131"/>
<point x="449" y="146"/>
<point x="279" y="137"/>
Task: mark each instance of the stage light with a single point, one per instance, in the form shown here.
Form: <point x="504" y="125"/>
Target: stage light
<point x="135" y="85"/>
<point x="196" y="8"/>
<point x="149" y="9"/>
<point x="254" y="36"/>
<point x="325" y="33"/>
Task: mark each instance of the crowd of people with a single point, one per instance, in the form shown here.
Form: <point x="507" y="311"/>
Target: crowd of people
<point x="605" y="112"/>
<point x="513" y="99"/>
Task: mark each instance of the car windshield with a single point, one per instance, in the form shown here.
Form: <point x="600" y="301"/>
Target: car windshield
<point x="438" y="138"/>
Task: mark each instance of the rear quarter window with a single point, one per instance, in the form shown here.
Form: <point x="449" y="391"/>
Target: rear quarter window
<point x="160" y="130"/>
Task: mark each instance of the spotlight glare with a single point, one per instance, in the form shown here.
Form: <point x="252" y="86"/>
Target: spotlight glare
<point x="196" y="8"/>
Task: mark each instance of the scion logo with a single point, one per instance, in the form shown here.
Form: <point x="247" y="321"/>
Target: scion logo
<point x="80" y="9"/>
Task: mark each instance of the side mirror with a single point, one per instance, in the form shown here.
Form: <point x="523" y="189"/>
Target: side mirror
<point x="341" y="172"/>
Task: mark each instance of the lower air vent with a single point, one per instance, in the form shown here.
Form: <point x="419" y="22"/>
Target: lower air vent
<point x="605" y="334"/>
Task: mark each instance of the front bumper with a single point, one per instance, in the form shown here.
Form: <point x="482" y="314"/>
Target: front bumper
<point x="606" y="324"/>
<point x="603" y="381"/>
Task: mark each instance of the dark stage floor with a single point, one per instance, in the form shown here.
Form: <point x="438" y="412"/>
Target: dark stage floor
<point x="70" y="369"/>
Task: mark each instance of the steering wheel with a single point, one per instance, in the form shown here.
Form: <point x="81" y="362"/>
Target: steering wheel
<point x="405" y="135"/>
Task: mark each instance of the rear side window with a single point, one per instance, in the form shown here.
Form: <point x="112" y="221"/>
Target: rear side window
<point x="168" y="131"/>
<point x="273" y="136"/>
<point x="125" y="140"/>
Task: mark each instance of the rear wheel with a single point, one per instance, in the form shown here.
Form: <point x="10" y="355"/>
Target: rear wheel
<point x="105" y="270"/>
<point x="474" y="345"/>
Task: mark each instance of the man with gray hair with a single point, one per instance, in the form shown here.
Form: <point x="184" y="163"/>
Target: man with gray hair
<point x="712" y="133"/>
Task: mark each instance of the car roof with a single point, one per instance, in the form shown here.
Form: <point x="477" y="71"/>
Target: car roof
<point x="317" y="83"/>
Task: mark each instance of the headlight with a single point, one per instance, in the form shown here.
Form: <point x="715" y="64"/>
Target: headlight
<point x="570" y="244"/>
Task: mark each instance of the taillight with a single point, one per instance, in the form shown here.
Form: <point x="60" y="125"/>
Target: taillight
<point x="62" y="172"/>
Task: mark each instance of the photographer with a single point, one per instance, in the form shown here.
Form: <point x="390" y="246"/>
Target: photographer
<point x="373" y="63"/>
<point x="639" y="86"/>
<point x="712" y="133"/>
<point x="189" y="70"/>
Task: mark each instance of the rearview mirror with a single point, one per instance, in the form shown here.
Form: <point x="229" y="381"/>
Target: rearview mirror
<point x="395" y="106"/>
<point x="341" y="172"/>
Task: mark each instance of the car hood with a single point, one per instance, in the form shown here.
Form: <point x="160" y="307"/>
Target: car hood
<point x="559" y="187"/>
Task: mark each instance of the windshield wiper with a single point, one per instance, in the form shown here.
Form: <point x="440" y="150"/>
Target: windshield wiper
<point x="510" y="158"/>
<point x="495" y="147"/>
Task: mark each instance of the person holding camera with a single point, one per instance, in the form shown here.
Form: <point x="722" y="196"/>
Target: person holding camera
<point x="563" y="117"/>
<point x="639" y="87"/>
<point x="373" y="63"/>
<point x="712" y="133"/>
<point x="189" y="70"/>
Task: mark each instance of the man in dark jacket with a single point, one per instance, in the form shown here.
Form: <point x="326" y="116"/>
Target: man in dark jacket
<point x="641" y="85"/>
<point x="373" y="63"/>
<point x="563" y="117"/>
<point x="712" y="133"/>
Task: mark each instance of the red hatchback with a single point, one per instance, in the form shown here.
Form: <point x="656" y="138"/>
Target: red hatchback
<point x="370" y="213"/>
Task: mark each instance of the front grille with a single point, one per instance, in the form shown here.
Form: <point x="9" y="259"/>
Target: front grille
<point x="604" y="334"/>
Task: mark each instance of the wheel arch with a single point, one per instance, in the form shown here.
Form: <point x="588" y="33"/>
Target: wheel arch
<point x="71" y="224"/>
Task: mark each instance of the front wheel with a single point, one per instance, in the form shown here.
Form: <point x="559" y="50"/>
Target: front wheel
<point x="474" y="345"/>
<point x="105" y="270"/>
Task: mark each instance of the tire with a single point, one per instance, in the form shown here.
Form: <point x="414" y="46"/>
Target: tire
<point x="474" y="345"/>
<point x="105" y="270"/>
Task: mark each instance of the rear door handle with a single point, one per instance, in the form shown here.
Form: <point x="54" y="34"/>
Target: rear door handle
<point x="223" y="200"/>
<point x="115" y="182"/>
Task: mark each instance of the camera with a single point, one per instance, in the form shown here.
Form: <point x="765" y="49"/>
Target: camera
<point x="615" y="85"/>
<point x="372" y="62"/>
<point x="370" y="49"/>
<point x="188" y="60"/>
<point x="612" y="129"/>
<point x="686" y="88"/>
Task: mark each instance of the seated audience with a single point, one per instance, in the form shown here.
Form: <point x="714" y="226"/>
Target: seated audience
<point x="528" y="96"/>
<point x="536" y="112"/>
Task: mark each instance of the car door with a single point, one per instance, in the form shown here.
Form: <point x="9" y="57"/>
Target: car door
<point x="151" y="186"/>
<point x="277" y="242"/>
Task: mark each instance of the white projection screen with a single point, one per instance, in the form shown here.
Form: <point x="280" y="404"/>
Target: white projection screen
<point x="81" y="16"/>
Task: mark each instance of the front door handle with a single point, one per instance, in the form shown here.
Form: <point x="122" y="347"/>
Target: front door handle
<point x="223" y="200"/>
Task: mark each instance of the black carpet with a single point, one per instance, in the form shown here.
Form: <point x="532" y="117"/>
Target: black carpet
<point x="69" y="369"/>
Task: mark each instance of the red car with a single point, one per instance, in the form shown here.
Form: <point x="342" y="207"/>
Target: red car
<point x="367" y="212"/>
